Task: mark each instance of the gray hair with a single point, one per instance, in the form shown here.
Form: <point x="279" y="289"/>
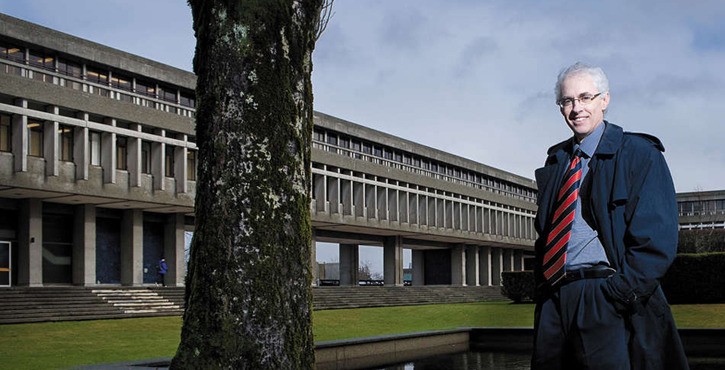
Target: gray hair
<point x="597" y="74"/>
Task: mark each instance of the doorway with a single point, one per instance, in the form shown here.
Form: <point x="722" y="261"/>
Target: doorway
<point x="5" y="264"/>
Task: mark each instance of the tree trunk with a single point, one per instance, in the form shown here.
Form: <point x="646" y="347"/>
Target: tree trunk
<point x="248" y="287"/>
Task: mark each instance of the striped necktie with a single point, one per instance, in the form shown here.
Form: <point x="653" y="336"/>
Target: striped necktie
<point x="555" y="256"/>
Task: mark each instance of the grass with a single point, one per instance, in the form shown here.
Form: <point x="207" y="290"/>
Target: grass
<point x="367" y="322"/>
<point x="67" y="344"/>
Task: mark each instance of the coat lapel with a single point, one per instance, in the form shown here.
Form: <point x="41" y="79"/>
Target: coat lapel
<point x="549" y="179"/>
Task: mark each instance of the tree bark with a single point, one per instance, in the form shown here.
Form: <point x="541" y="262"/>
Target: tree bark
<point x="248" y="287"/>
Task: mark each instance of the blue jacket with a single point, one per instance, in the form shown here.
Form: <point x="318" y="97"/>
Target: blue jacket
<point x="163" y="267"/>
<point x="629" y="198"/>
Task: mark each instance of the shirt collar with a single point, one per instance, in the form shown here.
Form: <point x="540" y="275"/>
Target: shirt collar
<point x="590" y="143"/>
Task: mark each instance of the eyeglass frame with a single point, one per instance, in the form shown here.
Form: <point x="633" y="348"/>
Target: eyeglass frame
<point x="562" y="105"/>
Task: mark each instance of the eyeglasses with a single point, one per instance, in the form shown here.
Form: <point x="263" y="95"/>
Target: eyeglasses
<point x="584" y="99"/>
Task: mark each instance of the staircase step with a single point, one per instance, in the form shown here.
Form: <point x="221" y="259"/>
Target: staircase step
<point x="20" y="305"/>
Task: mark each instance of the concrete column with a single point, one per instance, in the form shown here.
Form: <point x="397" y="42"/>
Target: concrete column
<point x="518" y="260"/>
<point x="393" y="260"/>
<point x="51" y="150"/>
<point x="508" y="259"/>
<point x="158" y="164"/>
<point x="134" y="158"/>
<point x="472" y="265"/>
<point x="108" y="153"/>
<point x="313" y="257"/>
<point x="320" y="184"/>
<point x="484" y="257"/>
<point x="349" y="264"/>
<point x="81" y="149"/>
<point x="496" y="266"/>
<point x="84" y="245"/>
<point x="418" y="267"/>
<point x="20" y="138"/>
<point x="458" y="265"/>
<point x="180" y="168"/>
<point x="174" y="249"/>
<point x="132" y="247"/>
<point x="30" y="243"/>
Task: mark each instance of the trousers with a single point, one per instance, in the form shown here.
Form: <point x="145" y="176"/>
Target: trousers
<point x="575" y="327"/>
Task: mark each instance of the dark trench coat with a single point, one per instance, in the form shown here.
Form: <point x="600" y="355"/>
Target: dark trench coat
<point x="628" y="197"/>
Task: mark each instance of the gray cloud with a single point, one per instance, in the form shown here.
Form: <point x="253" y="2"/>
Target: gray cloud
<point x="476" y="78"/>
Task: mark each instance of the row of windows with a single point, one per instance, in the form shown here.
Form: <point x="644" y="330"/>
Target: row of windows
<point x="96" y="74"/>
<point x="385" y="199"/>
<point x="66" y="142"/>
<point x="360" y="148"/>
<point x="705" y="207"/>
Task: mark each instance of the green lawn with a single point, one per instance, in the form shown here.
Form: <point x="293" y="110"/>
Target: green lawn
<point x="67" y="344"/>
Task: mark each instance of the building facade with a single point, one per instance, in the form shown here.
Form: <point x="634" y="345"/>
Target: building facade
<point x="98" y="170"/>
<point x="97" y="161"/>
<point x="701" y="210"/>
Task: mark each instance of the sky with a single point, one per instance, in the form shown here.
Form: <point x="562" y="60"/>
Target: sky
<point x="476" y="78"/>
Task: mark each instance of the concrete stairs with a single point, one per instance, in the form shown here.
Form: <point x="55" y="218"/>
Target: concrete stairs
<point x="140" y="301"/>
<point x="26" y="305"/>
<point x="325" y="298"/>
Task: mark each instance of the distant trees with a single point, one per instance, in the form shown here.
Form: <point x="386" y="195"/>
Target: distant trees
<point x="364" y="272"/>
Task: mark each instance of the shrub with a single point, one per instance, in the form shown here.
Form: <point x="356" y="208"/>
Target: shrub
<point x="518" y="286"/>
<point x="701" y="241"/>
<point x="696" y="278"/>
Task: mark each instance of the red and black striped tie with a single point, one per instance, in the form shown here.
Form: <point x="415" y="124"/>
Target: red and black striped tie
<point x="555" y="256"/>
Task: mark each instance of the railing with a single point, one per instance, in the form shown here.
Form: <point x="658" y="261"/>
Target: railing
<point x="414" y="169"/>
<point x="362" y="282"/>
<point x="61" y="78"/>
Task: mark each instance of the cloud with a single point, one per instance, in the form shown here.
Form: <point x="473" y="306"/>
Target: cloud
<point x="476" y="78"/>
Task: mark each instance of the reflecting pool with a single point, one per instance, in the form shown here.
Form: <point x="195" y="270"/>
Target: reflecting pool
<point x="472" y="360"/>
<point x="479" y="360"/>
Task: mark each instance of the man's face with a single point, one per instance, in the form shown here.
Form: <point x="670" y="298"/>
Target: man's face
<point x="583" y="118"/>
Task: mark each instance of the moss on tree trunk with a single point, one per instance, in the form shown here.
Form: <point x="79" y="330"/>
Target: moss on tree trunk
<point x="248" y="295"/>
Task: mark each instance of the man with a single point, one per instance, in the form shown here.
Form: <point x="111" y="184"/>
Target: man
<point x="162" y="268"/>
<point x="607" y="224"/>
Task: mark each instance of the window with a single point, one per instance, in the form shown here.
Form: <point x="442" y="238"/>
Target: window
<point x="65" y="134"/>
<point x="121" y="82"/>
<point x="12" y="53"/>
<point x="121" y="153"/>
<point x="146" y="88"/>
<point x="35" y="135"/>
<point x="94" y="139"/>
<point x="387" y="153"/>
<point x="169" y="161"/>
<point x="167" y="94"/>
<point x="6" y="137"/>
<point x="69" y="68"/>
<point x="40" y="59"/>
<point x="191" y="165"/>
<point x="145" y="157"/>
<point x="187" y="100"/>
<point x="97" y="76"/>
<point x="332" y="139"/>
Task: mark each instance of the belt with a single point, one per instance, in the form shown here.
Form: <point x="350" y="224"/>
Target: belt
<point x="594" y="272"/>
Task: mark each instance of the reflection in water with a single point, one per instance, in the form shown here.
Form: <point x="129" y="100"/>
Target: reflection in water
<point x="473" y="360"/>
<point x="479" y="360"/>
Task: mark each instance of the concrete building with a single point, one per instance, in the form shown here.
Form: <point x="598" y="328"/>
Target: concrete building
<point x="97" y="179"/>
<point x="97" y="160"/>
<point x="701" y="210"/>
